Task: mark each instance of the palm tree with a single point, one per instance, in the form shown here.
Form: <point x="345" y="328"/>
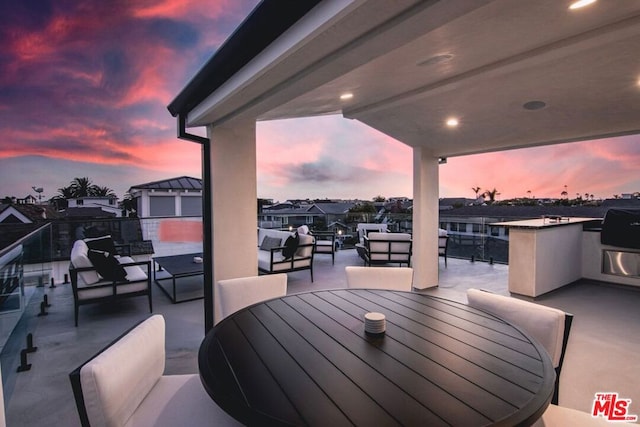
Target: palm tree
<point x="82" y="187"/>
<point x="129" y="206"/>
<point x="491" y="194"/>
<point x="476" y="190"/>
<point x="60" y="201"/>
<point x="102" y="191"/>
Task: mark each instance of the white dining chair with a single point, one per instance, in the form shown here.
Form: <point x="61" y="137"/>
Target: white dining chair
<point x="559" y="416"/>
<point x="232" y="295"/>
<point x="124" y="385"/>
<point x="549" y="326"/>
<point x="396" y="278"/>
<point x="3" y="421"/>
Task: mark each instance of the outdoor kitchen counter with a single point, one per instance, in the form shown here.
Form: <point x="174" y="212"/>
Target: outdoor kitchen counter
<point x="540" y="223"/>
<point x="544" y="253"/>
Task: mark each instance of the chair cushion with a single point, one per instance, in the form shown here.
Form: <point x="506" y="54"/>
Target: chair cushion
<point x="291" y="245"/>
<point x="178" y="400"/>
<point x="544" y="323"/>
<point x="234" y="294"/>
<point x="379" y="246"/>
<point x="397" y="278"/>
<point x="303" y="229"/>
<point x="80" y="259"/>
<point x="324" y="247"/>
<point x="559" y="416"/>
<point x="269" y="243"/>
<point x="116" y="381"/>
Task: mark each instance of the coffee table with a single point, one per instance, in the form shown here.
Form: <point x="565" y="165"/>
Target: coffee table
<point x="178" y="266"/>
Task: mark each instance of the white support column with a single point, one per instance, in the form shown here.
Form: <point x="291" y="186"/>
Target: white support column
<point x="425" y="219"/>
<point x="176" y="202"/>
<point x="234" y="201"/>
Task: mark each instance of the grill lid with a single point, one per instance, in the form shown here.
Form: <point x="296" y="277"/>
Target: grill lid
<point x="621" y="227"/>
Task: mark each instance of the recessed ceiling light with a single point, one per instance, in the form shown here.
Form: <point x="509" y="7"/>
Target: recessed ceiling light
<point x="534" y="105"/>
<point x="452" y="122"/>
<point x="581" y="3"/>
<point x="346" y="96"/>
<point x="436" y="59"/>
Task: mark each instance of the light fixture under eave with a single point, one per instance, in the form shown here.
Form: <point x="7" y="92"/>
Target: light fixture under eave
<point x="534" y="105"/>
<point x="436" y="59"/>
<point x="581" y="3"/>
<point x="452" y="122"/>
<point x="442" y="160"/>
<point x="346" y="96"/>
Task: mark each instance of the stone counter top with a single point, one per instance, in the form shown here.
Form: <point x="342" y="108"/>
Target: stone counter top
<point x="546" y="222"/>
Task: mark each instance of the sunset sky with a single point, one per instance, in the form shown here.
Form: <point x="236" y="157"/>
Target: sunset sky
<point x="84" y="87"/>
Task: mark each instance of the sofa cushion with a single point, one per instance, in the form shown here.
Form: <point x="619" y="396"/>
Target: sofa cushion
<point x="107" y="265"/>
<point x="80" y="259"/>
<point x="103" y="243"/>
<point x="305" y="251"/>
<point x="380" y="246"/>
<point x="135" y="273"/>
<point x="269" y="243"/>
<point x="291" y="245"/>
<point x="303" y="229"/>
<point x="264" y="259"/>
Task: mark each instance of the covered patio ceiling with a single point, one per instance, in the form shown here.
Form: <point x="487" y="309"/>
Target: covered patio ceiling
<point x="410" y="65"/>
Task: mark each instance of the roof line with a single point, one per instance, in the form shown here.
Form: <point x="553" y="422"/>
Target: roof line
<point x="268" y="21"/>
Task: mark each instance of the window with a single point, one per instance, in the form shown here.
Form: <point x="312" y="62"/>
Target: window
<point x="191" y="206"/>
<point x="79" y="202"/>
<point x="162" y="206"/>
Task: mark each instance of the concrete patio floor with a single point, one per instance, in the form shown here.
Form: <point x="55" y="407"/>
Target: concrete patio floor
<point x="602" y="355"/>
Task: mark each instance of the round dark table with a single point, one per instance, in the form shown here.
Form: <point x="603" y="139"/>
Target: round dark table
<point x="305" y="359"/>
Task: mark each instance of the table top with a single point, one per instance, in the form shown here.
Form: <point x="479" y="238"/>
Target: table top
<point x="180" y="264"/>
<point x="305" y="359"/>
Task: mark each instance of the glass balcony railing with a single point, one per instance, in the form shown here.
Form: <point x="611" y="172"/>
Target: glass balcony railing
<point x="473" y="238"/>
<point x="25" y="270"/>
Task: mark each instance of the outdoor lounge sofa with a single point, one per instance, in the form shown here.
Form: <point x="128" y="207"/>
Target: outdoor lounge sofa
<point x="325" y="241"/>
<point x="98" y="275"/>
<point x="443" y="244"/>
<point x="384" y="248"/>
<point x="272" y="252"/>
<point x="362" y="229"/>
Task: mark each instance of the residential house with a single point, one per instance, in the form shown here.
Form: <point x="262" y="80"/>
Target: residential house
<point x="170" y="213"/>
<point x="107" y="204"/>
